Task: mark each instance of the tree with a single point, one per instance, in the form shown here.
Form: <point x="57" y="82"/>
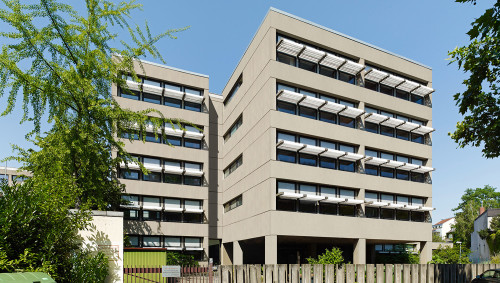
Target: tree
<point x="437" y="238"/>
<point x="480" y="102"/>
<point x="59" y="64"/>
<point x="62" y="64"/>
<point x="449" y="255"/>
<point x="468" y="210"/>
<point x="333" y="256"/>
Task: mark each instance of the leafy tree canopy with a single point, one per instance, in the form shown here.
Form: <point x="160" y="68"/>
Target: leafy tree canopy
<point x="333" y="256"/>
<point x="480" y="102"/>
<point x="468" y="210"/>
<point x="449" y="255"/>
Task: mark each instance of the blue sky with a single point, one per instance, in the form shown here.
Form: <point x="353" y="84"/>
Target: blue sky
<point x="421" y="30"/>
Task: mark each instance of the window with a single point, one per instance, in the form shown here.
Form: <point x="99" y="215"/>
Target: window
<point x="403" y="215"/>
<point x="387" y="131"/>
<point x="234" y="89"/>
<point x="417" y="99"/>
<point x="371" y="212"/>
<point x="233" y="166"/>
<point x="417" y="177"/>
<point x="286" y="187"/>
<point x="234" y="203"/>
<point x="131" y="136"/>
<point x="346" y="121"/>
<point x="402" y="175"/>
<point x="417" y="216"/>
<point x="307" y="206"/>
<point x="326" y="162"/>
<point x="347" y="210"/>
<point x="130" y="214"/>
<point x="371" y="127"/>
<point x="325" y="71"/>
<point x="306" y="65"/>
<point x="172" y="102"/>
<point x="129" y="174"/>
<point x="192" y="181"/>
<point x="307" y="112"/>
<point x="193" y="218"/>
<point x="286" y="156"/>
<point x="328" y="208"/>
<point x="175" y="141"/>
<point x="286" y="107"/>
<point x="402" y="94"/>
<point x="386" y="90"/>
<point x="150" y="137"/>
<point x="404" y="135"/>
<point x="134" y="95"/>
<point x="386" y="213"/>
<point x="345" y="165"/>
<point x="148" y="215"/>
<point x="327" y="117"/>
<point x="172" y="242"/>
<point x="306" y="159"/>
<point x="371" y="169"/>
<point x="192" y="106"/>
<point x="417" y="138"/>
<point x="172" y="216"/>
<point x="286" y="137"/>
<point x="289" y="60"/>
<point x="386" y="172"/>
<point x="151" y="98"/>
<point x="192" y="143"/>
<point x="152" y="177"/>
<point x="348" y="78"/>
<point x="151" y="241"/>
<point x="233" y="128"/>
<point x="133" y="240"/>
<point x="192" y="91"/>
<point x="371" y="85"/>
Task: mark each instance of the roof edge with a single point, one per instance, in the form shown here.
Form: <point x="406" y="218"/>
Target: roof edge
<point x="346" y="36"/>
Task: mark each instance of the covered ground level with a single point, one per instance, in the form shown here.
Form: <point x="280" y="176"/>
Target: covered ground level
<point x="295" y="250"/>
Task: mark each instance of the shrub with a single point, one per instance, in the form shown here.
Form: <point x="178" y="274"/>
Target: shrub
<point x="333" y="256"/>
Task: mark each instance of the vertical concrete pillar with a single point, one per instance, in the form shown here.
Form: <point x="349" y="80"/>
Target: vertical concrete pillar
<point x="359" y="256"/>
<point x="425" y="252"/>
<point x="226" y="254"/>
<point x="271" y="245"/>
<point x="237" y="253"/>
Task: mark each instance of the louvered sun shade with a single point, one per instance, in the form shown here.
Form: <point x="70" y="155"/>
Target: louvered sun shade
<point x="375" y="161"/>
<point x="351" y="112"/>
<point x="289" y="145"/>
<point x="332" y="61"/>
<point x="408" y="126"/>
<point x="289" y="47"/>
<point x="289" y="96"/>
<point x="172" y="93"/>
<point x="375" y="75"/>
<point x="392" y="122"/>
<point x="312" y="102"/>
<point x="332" y="107"/>
<point x="351" y="156"/>
<point x="132" y="85"/>
<point x="392" y="81"/>
<point x="312" y="54"/>
<point x="375" y="118"/>
<point x="314" y="150"/>
<point x="423" y="90"/>
<point x="351" y="67"/>
<point x="152" y="89"/>
<point x="422" y="130"/>
<point x="193" y="98"/>
<point x="333" y="153"/>
<point x="408" y="86"/>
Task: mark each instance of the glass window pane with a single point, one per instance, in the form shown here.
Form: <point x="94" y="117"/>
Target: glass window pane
<point x="347" y="103"/>
<point x="286" y="156"/>
<point x="306" y="65"/>
<point x="327" y="144"/>
<point x="192" y="143"/>
<point x="286" y="87"/>
<point x="328" y="117"/>
<point x="130" y="174"/>
<point x="173" y="179"/>
<point x="417" y="138"/>
<point x="386" y="90"/>
<point x="151" y="98"/>
<point x="150" y="241"/>
<point x="285" y="204"/>
<point x="283" y="58"/>
<point x="286" y="137"/>
<point x="151" y="161"/>
<point x="286" y="187"/>
<point x="175" y="141"/>
<point x="417" y="161"/>
<point x="346" y="193"/>
<point x="371" y="170"/>
<point x="193" y="91"/>
<point x="307" y="206"/>
<point x="404" y="118"/>
<point x="387" y="198"/>
<point x="347" y="78"/>
<point x="386" y="213"/>
<point x="192" y="181"/>
<point x="371" y="212"/>
<point x="402" y="175"/>
<point x="346" y="121"/>
<point x="172" y="203"/>
<point x="404" y="135"/>
<point x="308" y="93"/>
<point x="347" y="210"/>
<point x="388" y="156"/>
<point x="369" y="152"/>
<point x="172" y="241"/>
<point x="417" y="201"/>
<point x="326" y="162"/>
<point x="172" y="216"/>
<point x="402" y="200"/>
<point x="327" y="72"/>
<point x="309" y="141"/>
<point x="172" y="102"/>
<point x="328" y="98"/>
<point x="307" y="189"/>
<point x="191" y="129"/>
<point x="192" y="106"/>
<point x="306" y="159"/>
<point x="307" y="112"/>
<point x="402" y="215"/>
<point x="173" y="87"/>
<point x="189" y="165"/>
<point x="286" y="107"/>
<point x="402" y="158"/>
<point x="417" y="99"/>
<point x="150" y="137"/>
<point x="328" y="208"/>
<point x="328" y="192"/>
<point x="152" y="82"/>
<point x="347" y="148"/>
<point x="345" y="165"/>
<point x="371" y="85"/>
<point x="370" y="110"/>
<point x="130" y="94"/>
<point x="388" y="114"/>
<point x="402" y="94"/>
<point x="386" y="172"/>
<point x="371" y="196"/>
<point x="152" y="177"/>
<point x="371" y="127"/>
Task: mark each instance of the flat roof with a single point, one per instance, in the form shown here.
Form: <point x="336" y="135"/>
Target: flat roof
<point x="346" y="36"/>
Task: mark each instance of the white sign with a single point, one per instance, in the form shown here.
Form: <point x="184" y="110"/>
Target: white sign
<point x="171" y="271"/>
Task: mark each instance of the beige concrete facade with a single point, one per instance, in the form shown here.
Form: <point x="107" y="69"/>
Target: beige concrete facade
<point x="255" y="229"/>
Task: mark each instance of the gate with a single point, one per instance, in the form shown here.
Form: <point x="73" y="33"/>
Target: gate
<point x="153" y="274"/>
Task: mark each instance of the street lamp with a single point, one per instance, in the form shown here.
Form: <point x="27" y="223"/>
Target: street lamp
<point x="458" y="242"/>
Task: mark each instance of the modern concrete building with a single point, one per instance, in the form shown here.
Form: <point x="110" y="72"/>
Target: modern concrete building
<point x="318" y="140"/>
<point x="444" y="228"/>
<point x="11" y="175"/>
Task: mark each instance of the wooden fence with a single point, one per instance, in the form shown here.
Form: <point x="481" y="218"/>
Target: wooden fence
<point x="153" y="274"/>
<point x="350" y="273"/>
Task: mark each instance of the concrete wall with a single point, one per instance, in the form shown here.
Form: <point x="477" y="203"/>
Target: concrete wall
<point x="105" y="234"/>
<point x="479" y="247"/>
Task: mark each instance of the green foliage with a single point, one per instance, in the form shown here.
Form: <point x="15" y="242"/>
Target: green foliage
<point x="468" y="210"/>
<point x="397" y="258"/>
<point x="484" y="234"/>
<point x="495" y="259"/>
<point x="436" y="238"/>
<point x="480" y="102"/>
<point x="40" y="234"/>
<point x="87" y="267"/>
<point x="175" y="258"/>
<point x="449" y="255"/>
<point x="333" y="256"/>
<point x="495" y="223"/>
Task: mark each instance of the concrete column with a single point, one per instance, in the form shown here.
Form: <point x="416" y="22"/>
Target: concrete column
<point x="271" y="245"/>
<point x="425" y="252"/>
<point x="359" y="256"/>
<point x="226" y="253"/>
<point x="237" y="253"/>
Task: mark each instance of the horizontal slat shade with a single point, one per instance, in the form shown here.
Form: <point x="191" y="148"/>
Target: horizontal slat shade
<point x="334" y="200"/>
<point x="312" y="54"/>
<point x="375" y="118"/>
<point x="351" y="67"/>
<point x="289" y="96"/>
<point x="308" y="197"/>
<point x="152" y="89"/>
<point x="392" y="81"/>
<point x="173" y="170"/>
<point x="288" y="145"/>
<point x="133" y="85"/>
<point x="393" y="164"/>
<point x="376" y="204"/>
<point x="423" y="169"/>
<point x="333" y="153"/>
<point x="289" y="47"/>
<point x="425" y="208"/>
<point x="174" y="93"/>
<point x="132" y="166"/>
<point x="375" y="161"/>
<point x="353" y="201"/>
<point x="193" y="98"/>
<point x="410" y="207"/>
<point x="375" y="75"/>
<point x="408" y="167"/>
<point x="423" y="90"/>
<point x="422" y="130"/>
<point x="392" y="122"/>
<point x="351" y="156"/>
<point x="312" y="102"/>
<point x="153" y="168"/>
<point x="332" y="61"/>
<point x="396" y="205"/>
<point x="287" y="195"/>
<point x="408" y="126"/>
<point x="407" y="86"/>
<point x="173" y="132"/>
<point x="193" y="135"/>
<point x="332" y="107"/>
<point x="310" y="149"/>
<point x="351" y="112"/>
<point x="193" y="172"/>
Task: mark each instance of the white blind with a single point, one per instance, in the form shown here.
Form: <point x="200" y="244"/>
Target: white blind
<point x="192" y="242"/>
<point x="172" y="241"/>
<point x="192" y="204"/>
<point x="150" y="241"/>
<point x="151" y="201"/>
<point x="172" y="203"/>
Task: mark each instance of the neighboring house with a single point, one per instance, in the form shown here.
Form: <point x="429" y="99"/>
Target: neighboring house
<point x="479" y="247"/>
<point x="444" y="228"/>
<point x="318" y="140"/>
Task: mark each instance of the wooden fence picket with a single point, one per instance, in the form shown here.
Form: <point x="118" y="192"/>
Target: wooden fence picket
<point x="330" y="273"/>
<point x="398" y="269"/>
<point x="294" y="274"/>
<point x="388" y="273"/>
<point x="340" y="273"/>
<point x="360" y="273"/>
<point x="380" y="273"/>
<point x="370" y="273"/>
<point x="318" y="273"/>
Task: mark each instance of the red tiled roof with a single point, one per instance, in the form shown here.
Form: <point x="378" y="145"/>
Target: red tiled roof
<point x="443" y="221"/>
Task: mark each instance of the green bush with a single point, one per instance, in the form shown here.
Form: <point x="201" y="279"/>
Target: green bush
<point x="333" y="256"/>
<point x="176" y="258"/>
<point x="449" y="255"/>
<point x="397" y="258"/>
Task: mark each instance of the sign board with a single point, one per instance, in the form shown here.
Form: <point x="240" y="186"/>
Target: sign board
<point x="171" y="271"/>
